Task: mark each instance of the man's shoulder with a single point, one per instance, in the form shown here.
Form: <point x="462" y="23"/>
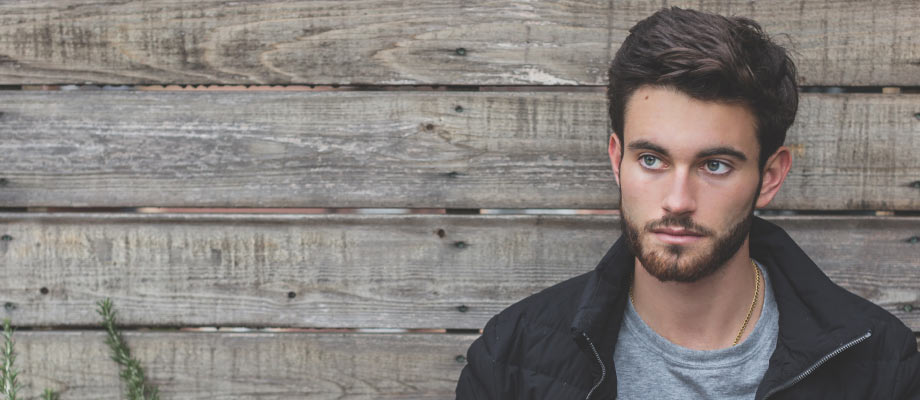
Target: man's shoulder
<point x="852" y="306"/>
<point x="529" y="344"/>
<point x="543" y="317"/>
<point x="540" y="321"/>
<point x="552" y="306"/>
<point x="888" y="331"/>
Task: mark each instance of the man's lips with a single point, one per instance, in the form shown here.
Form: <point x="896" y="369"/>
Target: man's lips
<point x="677" y="236"/>
<point x="676" y="232"/>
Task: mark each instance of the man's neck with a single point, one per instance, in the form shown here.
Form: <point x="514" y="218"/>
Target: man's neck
<point x="703" y="315"/>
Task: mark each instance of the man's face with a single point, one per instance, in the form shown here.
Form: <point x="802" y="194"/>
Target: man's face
<point x="688" y="182"/>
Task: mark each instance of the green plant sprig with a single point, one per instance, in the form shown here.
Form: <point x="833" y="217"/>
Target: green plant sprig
<point x="50" y="395"/>
<point x="131" y="372"/>
<point x="9" y="387"/>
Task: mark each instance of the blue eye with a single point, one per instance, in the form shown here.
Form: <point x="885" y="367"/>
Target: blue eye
<point x="712" y="166"/>
<point x="649" y="161"/>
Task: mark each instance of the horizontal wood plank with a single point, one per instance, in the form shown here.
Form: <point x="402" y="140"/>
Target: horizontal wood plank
<point x="194" y="365"/>
<point x="186" y="365"/>
<point x="474" y="42"/>
<point x="401" y="149"/>
<point x="396" y="271"/>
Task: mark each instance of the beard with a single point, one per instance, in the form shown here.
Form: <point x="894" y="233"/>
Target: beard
<point x="676" y="262"/>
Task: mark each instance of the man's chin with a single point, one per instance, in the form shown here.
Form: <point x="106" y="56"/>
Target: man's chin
<point x="674" y="262"/>
<point x="664" y="271"/>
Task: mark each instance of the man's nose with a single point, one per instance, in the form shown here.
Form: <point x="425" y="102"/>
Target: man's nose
<point x="681" y="196"/>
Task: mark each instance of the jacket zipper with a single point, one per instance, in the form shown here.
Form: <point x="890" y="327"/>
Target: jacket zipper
<point x="603" y="369"/>
<point x="815" y="366"/>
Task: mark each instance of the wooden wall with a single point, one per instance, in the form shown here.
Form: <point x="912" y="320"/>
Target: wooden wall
<point x="425" y="106"/>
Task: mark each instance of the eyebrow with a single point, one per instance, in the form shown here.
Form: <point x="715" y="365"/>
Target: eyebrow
<point x="712" y="151"/>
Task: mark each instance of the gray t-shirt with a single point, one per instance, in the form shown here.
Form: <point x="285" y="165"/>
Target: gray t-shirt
<point x="649" y="366"/>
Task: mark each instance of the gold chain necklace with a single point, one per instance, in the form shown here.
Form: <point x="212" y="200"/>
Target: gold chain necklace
<point x="750" y="311"/>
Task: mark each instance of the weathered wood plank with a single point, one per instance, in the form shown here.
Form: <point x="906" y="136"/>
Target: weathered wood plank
<point x="400" y="149"/>
<point x="416" y="42"/>
<point x="397" y="271"/>
<point x="249" y="365"/>
<point x="187" y="365"/>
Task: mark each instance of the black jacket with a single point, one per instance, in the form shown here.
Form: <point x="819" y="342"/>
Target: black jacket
<point x="832" y="344"/>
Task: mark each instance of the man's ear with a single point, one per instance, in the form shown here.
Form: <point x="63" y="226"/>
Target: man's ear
<point x="774" y="174"/>
<point x="613" y="150"/>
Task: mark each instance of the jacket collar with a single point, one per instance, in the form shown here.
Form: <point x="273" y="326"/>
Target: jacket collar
<point x="815" y="315"/>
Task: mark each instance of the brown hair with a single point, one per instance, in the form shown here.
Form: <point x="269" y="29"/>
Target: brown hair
<point x="712" y="58"/>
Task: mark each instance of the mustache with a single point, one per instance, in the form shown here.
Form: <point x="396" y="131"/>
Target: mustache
<point x="683" y="221"/>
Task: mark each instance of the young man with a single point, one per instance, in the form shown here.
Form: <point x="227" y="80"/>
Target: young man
<point x="698" y="298"/>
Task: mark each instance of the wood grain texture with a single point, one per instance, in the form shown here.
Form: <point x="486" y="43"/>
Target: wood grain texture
<point x="401" y="149"/>
<point x="845" y="42"/>
<point x="397" y="271"/>
<point x="187" y="365"/>
<point x="194" y="365"/>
